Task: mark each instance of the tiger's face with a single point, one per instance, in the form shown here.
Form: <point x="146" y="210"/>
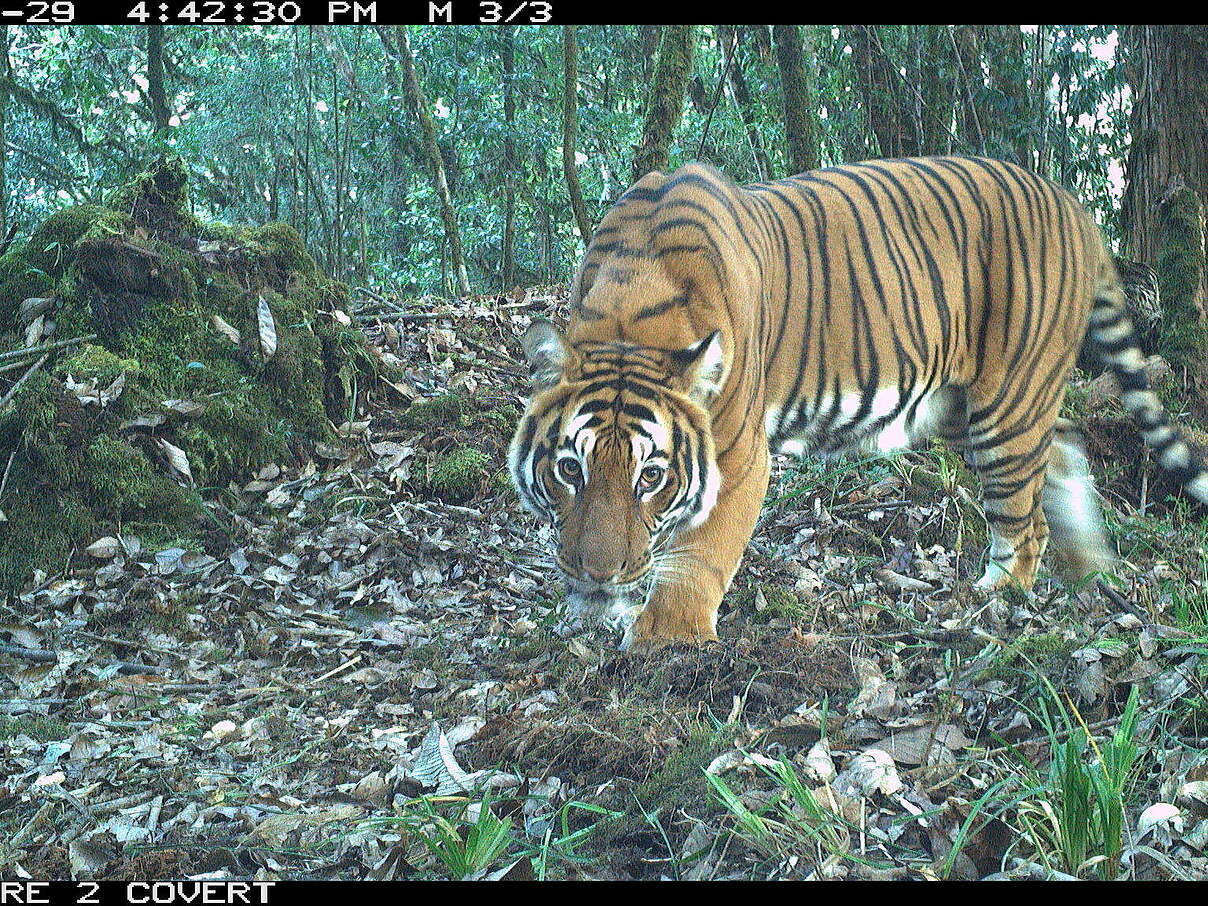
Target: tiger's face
<point x="615" y="450"/>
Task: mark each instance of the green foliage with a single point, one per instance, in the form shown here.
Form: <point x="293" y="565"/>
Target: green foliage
<point x="463" y="846"/>
<point x="291" y="125"/>
<point x="776" y="601"/>
<point x="792" y="820"/>
<point x="1075" y="812"/>
<point x="445" y="410"/>
<point x="1042" y="652"/>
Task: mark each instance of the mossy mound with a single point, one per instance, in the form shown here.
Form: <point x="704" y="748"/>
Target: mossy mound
<point x="456" y="476"/>
<point x="160" y="296"/>
<point x="770" y="601"/>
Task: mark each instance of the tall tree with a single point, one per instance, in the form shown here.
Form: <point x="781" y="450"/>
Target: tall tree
<point x="666" y="104"/>
<point x="881" y="91"/>
<point x="937" y="89"/>
<point x="510" y="162"/>
<point x="570" y="130"/>
<point x="157" y="95"/>
<point x="1012" y="127"/>
<point x="5" y="75"/>
<point x="729" y="37"/>
<point x="398" y="49"/>
<point x="1167" y="182"/>
<point x="967" y="51"/>
<point x="795" y="61"/>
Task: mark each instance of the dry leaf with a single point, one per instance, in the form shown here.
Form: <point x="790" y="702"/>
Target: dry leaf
<point x="104" y="548"/>
<point x="268" y="328"/>
<point x="225" y="329"/>
<point x="177" y="459"/>
<point x="871" y="771"/>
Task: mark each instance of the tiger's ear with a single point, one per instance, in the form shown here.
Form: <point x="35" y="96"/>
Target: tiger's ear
<point x="702" y="367"/>
<point x="545" y="349"/>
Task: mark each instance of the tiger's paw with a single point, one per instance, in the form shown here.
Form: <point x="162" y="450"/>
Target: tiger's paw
<point x="656" y="627"/>
<point x="997" y="579"/>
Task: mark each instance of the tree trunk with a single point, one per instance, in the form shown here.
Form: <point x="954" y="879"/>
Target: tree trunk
<point x="972" y="81"/>
<point x="881" y="90"/>
<point x="795" y="60"/>
<point x="728" y="36"/>
<point x="648" y="45"/>
<point x="570" y="130"/>
<point x="937" y="87"/>
<point x="1011" y="133"/>
<point x="399" y="49"/>
<point x="1167" y="188"/>
<point x="5" y="75"/>
<point x="1180" y="266"/>
<point x="1169" y="125"/>
<point x="507" y="273"/>
<point x="156" y="93"/>
<point x="666" y="106"/>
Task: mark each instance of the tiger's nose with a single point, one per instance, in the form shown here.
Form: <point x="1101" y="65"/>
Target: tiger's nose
<point x="598" y="573"/>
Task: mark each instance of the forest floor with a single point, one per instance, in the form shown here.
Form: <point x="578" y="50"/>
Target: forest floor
<point x="370" y="679"/>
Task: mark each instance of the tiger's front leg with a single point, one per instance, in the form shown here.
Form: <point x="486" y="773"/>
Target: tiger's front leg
<point x="697" y="571"/>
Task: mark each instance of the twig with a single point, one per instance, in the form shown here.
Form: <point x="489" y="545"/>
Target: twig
<point x="33" y="369"/>
<point x="39" y="816"/>
<point x="1119" y="600"/>
<point x="4" y="480"/>
<point x="45" y="347"/>
<point x="42" y="656"/>
<point x="344" y="666"/>
<point x="404" y="318"/>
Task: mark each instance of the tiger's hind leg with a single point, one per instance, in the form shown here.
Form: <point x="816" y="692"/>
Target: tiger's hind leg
<point x="1078" y="539"/>
<point x="1010" y="453"/>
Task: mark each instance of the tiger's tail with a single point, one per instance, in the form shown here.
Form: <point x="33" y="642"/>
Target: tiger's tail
<point x="1078" y="540"/>
<point x="1114" y="339"/>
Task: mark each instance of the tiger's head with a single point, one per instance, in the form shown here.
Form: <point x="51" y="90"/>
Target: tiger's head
<point x="615" y="449"/>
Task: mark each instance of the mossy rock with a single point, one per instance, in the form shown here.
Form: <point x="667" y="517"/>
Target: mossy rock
<point x="34" y="268"/>
<point x="136" y="277"/>
<point x="458" y="475"/>
<point x="768" y="602"/>
<point x="158" y="198"/>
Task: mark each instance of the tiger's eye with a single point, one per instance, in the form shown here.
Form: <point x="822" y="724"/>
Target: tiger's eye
<point x="570" y="470"/>
<point x="650" y="476"/>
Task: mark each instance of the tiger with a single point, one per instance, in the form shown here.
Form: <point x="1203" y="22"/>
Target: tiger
<point x="872" y="306"/>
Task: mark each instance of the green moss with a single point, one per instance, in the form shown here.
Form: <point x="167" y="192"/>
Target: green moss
<point x="125" y="483"/>
<point x="284" y="247"/>
<point x="158" y="198"/>
<point x="457" y="475"/>
<point x="501" y="421"/>
<point x="43" y="530"/>
<point x="150" y="298"/>
<point x="446" y="410"/>
<point x="1044" y="652"/>
<point x="501" y="484"/>
<point x="20" y="279"/>
<point x="35" y="726"/>
<point x="96" y="363"/>
<point x="777" y="602"/>
<point x="1180" y="269"/>
<point x="679" y="783"/>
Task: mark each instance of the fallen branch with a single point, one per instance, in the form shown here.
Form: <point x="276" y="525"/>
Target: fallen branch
<point x="44" y="347"/>
<point x="33" y="369"/>
<point x="43" y="656"/>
